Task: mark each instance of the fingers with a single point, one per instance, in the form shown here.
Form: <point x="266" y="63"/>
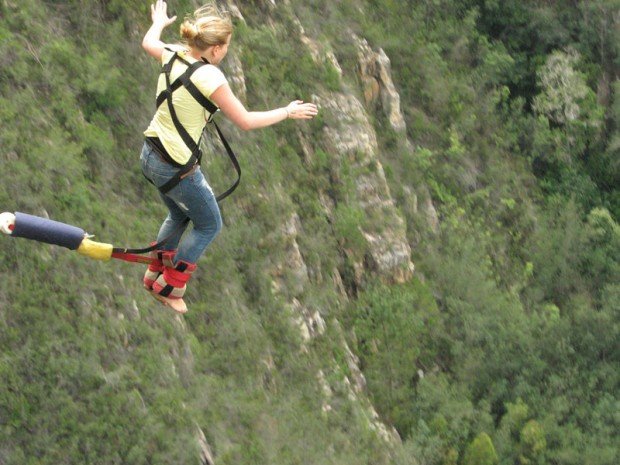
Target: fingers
<point x="159" y="13"/>
<point x="160" y="6"/>
<point x="304" y="111"/>
<point x="297" y="109"/>
<point x="309" y="111"/>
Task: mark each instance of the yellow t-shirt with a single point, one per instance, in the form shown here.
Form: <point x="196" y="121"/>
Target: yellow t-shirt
<point x="190" y="113"/>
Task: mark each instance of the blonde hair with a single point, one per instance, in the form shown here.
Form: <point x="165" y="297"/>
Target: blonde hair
<point x="206" y="27"/>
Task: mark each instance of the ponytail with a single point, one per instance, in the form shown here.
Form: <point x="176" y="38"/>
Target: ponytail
<point x="206" y="27"/>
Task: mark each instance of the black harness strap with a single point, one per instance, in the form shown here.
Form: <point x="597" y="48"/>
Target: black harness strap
<point x="233" y="160"/>
<point x="185" y="81"/>
<point x="187" y="139"/>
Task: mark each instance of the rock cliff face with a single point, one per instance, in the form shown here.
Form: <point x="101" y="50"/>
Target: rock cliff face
<point x="349" y="140"/>
<point x="352" y="140"/>
<point x="378" y="87"/>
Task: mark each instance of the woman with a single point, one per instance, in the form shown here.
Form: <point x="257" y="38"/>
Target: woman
<point x="169" y="153"/>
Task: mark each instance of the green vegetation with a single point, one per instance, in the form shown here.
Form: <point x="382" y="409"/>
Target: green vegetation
<point x="519" y="152"/>
<point x="501" y="350"/>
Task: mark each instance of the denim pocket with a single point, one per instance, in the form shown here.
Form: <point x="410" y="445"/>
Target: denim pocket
<point x="159" y="179"/>
<point x="154" y="168"/>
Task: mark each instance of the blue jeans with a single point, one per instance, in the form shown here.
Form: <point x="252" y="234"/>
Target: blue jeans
<point x="192" y="198"/>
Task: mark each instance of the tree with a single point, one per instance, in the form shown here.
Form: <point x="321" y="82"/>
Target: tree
<point x="480" y="451"/>
<point x="533" y="444"/>
<point x="397" y="329"/>
<point x="562" y="86"/>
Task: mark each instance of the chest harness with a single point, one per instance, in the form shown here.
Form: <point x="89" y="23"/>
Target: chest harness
<point x="196" y="154"/>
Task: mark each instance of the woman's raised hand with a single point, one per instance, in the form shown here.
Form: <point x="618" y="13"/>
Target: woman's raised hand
<point x="297" y="109"/>
<point x="159" y="14"/>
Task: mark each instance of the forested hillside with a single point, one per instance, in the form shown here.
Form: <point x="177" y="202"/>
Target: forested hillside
<point x="427" y="273"/>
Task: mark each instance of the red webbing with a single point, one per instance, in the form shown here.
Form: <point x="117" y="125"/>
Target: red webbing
<point x="130" y="257"/>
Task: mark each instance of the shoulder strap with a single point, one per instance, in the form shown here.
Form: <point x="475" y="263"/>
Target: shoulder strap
<point x="185" y="81"/>
<point x="187" y="139"/>
<point x="195" y="92"/>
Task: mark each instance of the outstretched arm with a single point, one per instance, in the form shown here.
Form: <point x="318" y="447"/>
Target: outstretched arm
<point x="152" y="42"/>
<point x="230" y="105"/>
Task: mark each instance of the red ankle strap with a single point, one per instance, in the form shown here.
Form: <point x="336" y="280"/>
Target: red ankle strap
<point x="180" y="274"/>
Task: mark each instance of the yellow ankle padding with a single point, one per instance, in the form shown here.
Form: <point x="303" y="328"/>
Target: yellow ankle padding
<point x="96" y="250"/>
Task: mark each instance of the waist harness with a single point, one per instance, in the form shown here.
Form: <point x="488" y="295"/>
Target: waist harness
<point x="194" y="147"/>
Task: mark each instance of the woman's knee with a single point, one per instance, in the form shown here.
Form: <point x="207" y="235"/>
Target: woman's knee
<point x="216" y="224"/>
<point x="209" y="224"/>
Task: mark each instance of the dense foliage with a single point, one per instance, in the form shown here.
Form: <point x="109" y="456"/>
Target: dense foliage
<point x="503" y="349"/>
<point x="514" y="106"/>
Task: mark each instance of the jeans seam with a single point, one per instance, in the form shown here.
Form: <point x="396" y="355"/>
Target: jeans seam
<point x="208" y="197"/>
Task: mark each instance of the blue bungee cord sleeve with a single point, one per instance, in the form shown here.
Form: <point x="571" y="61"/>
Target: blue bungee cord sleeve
<point x="48" y="231"/>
